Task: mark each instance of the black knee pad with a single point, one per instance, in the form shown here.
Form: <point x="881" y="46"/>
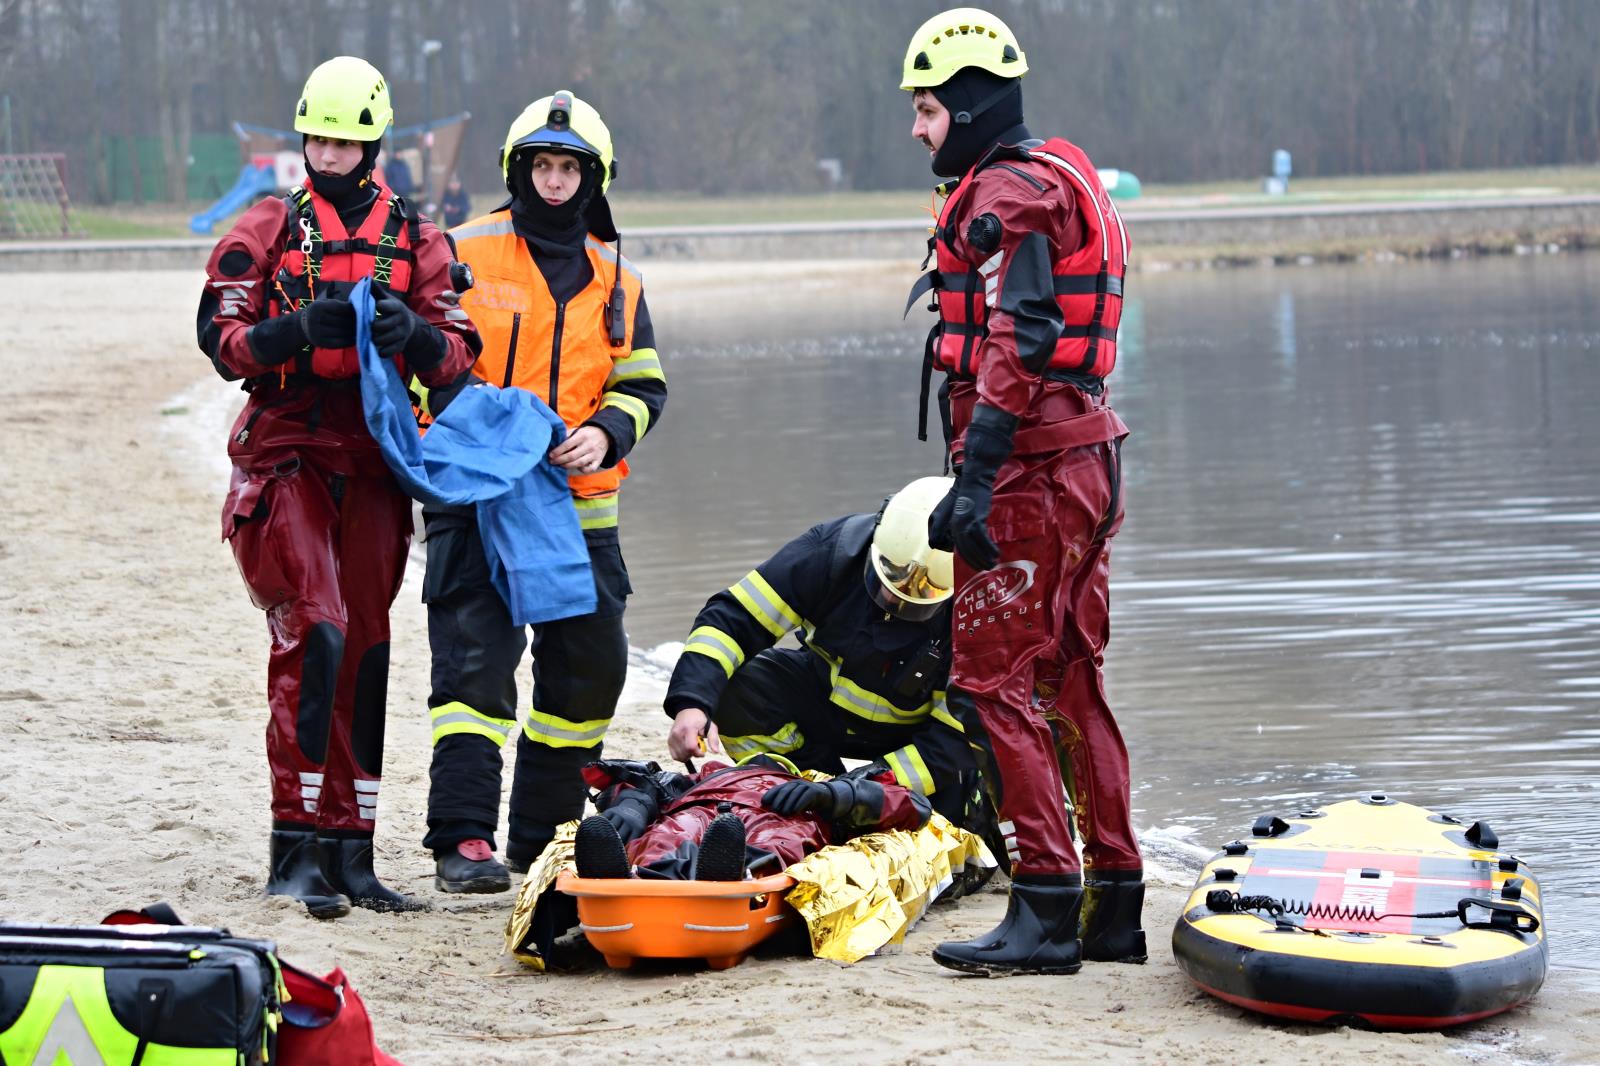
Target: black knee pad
<point x="371" y="701"/>
<point x="323" y="651"/>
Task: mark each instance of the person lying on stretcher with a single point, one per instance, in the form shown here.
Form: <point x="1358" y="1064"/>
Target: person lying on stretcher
<point x="723" y="823"/>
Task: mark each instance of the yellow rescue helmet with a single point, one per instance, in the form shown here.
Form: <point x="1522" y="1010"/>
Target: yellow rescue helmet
<point x="906" y="577"/>
<point x="961" y="37"/>
<point x="345" y="99"/>
<point x="561" y="122"/>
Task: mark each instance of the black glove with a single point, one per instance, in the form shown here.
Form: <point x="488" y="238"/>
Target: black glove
<point x="329" y="323"/>
<point x="398" y="330"/>
<point x="793" y="797"/>
<point x="988" y="444"/>
<point x="393" y="326"/>
<point x="939" y="519"/>
<point x="628" y="818"/>
<point x="275" y="341"/>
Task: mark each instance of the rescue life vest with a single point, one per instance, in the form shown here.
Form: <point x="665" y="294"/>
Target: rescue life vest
<point x="320" y="259"/>
<point x="561" y="352"/>
<point x="1088" y="280"/>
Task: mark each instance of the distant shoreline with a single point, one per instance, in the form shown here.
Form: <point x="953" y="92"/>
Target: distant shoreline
<point x="1164" y="239"/>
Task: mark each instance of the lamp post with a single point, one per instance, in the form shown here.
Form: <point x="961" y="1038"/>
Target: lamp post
<point x="429" y="47"/>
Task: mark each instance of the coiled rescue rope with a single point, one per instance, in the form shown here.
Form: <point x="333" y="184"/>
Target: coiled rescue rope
<point x="1504" y="915"/>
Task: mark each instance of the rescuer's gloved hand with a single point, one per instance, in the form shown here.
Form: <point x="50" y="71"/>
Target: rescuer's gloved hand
<point x="793" y="797"/>
<point x="398" y="330"/>
<point x="988" y="444"/>
<point x="628" y="817"/>
<point x="329" y="323"/>
<point x="939" y="518"/>
<point x="275" y="341"/>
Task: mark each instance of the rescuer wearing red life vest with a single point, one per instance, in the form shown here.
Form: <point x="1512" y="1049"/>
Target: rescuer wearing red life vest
<point x="1030" y="261"/>
<point x="317" y="524"/>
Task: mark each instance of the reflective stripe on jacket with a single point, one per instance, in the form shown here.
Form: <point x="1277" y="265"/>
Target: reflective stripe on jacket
<point x="561" y="352"/>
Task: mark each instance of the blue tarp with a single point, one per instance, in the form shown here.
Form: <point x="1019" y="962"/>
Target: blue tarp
<point x="487" y="449"/>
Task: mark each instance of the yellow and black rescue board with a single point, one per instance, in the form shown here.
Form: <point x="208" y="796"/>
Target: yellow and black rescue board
<point x="1370" y="910"/>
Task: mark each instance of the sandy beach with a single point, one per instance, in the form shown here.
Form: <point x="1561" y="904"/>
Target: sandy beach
<point x="132" y="709"/>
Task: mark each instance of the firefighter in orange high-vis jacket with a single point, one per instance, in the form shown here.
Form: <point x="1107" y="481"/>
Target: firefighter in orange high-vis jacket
<point x="318" y="525"/>
<point x="563" y="315"/>
<point x="1030" y="257"/>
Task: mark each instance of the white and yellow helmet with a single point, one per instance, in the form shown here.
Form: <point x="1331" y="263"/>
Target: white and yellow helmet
<point x="563" y="123"/>
<point x="908" y="578"/>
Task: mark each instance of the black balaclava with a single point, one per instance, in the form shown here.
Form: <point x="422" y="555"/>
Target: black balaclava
<point x="995" y="106"/>
<point x="561" y="224"/>
<point x="345" y="191"/>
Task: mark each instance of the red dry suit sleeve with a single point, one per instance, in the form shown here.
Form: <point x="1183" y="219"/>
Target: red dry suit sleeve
<point x="1037" y="227"/>
<point x="239" y="282"/>
<point x="239" y="278"/>
<point x="434" y="298"/>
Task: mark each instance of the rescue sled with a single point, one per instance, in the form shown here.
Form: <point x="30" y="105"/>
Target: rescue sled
<point x="1371" y="911"/>
<point x="718" y="921"/>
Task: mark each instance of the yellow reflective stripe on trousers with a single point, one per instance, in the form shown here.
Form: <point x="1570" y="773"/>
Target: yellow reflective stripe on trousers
<point x="785" y="740"/>
<point x="68" y="1018"/>
<point x="910" y="769"/>
<point x="642" y="364"/>
<point x="599" y="512"/>
<point x="557" y="732"/>
<point x="765" y="605"/>
<point x="715" y="644"/>
<point x="452" y="718"/>
<point x="631" y="406"/>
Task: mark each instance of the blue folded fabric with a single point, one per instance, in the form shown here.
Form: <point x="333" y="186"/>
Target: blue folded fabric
<point x="488" y="449"/>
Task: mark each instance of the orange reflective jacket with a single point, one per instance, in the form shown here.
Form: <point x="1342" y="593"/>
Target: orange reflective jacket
<point x="561" y="352"/>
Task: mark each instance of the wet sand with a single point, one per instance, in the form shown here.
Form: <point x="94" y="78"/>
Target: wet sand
<point x="132" y="692"/>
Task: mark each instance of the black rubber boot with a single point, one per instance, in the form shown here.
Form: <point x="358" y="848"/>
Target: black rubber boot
<point x="598" y="849"/>
<point x="1039" y="933"/>
<point x="1110" y="926"/>
<point x="470" y="866"/>
<point x="526" y="844"/>
<point x="347" y="861"/>
<point x="721" y="855"/>
<point x="296" y="871"/>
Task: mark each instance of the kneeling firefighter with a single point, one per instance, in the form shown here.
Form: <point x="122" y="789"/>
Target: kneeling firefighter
<point x="562" y="315"/>
<point x="317" y="523"/>
<point x="868" y="682"/>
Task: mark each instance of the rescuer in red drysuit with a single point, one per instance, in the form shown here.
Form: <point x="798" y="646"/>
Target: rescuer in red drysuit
<point x="722" y="821"/>
<point x="317" y="524"/>
<point x="1031" y="256"/>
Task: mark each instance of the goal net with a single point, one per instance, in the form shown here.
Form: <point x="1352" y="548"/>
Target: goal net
<point x="33" y="197"/>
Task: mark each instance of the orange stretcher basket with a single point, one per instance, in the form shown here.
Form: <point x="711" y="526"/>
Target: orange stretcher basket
<point x="719" y="921"/>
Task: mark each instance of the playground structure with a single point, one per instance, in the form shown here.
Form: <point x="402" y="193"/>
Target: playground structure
<point x="274" y="162"/>
<point x="33" y="197"/>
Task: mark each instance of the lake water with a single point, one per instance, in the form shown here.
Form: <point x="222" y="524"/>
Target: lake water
<point x="1362" y="549"/>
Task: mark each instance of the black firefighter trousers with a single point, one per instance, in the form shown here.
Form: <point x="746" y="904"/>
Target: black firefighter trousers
<point x="579" y="665"/>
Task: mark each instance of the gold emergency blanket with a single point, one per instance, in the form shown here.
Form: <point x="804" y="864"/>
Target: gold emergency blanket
<point x="868" y="892"/>
<point x="556" y="856"/>
<point x="855" y="897"/>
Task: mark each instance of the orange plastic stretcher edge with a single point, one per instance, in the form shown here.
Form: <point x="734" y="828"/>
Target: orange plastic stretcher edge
<point x="719" y="921"/>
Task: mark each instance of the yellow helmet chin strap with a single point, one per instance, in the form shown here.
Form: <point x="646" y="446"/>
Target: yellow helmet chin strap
<point x="785" y="763"/>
